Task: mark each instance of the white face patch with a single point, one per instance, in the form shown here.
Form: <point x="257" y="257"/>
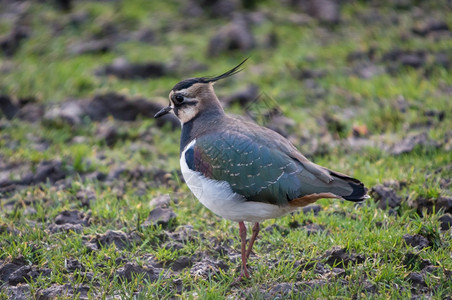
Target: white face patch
<point x="187" y="112"/>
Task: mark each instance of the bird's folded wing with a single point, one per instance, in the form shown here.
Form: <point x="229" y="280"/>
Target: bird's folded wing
<point x="253" y="169"/>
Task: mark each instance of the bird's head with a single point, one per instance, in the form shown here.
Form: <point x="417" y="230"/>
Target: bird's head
<point x="191" y="96"/>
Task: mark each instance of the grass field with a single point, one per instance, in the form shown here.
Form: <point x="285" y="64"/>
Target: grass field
<point x="80" y="159"/>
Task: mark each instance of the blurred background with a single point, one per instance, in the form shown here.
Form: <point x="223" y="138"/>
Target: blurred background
<point x="326" y="74"/>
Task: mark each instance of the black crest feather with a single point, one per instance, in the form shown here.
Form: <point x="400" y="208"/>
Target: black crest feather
<point x="189" y="82"/>
<point x="229" y="73"/>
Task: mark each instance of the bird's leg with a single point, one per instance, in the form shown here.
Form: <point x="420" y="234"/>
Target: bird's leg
<point x="253" y="238"/>
<point x="242" y="230"/>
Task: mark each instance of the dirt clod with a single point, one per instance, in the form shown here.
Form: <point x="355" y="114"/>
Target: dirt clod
<point x="385" y="196"/>
<point x="7" y="107"/>
<point x="338" y="256"/>
<point x="11" y="42"/>
<point x="117" y="237"/>
<point x="242" y="97"/>
<point x="85" y="196"/>
<point x="313" y="208"/>
<point x="207" y="267"/>
<point x="434" y="26"/>
<point x="416" y="278"/>
<point x="62" y="291"/>
<point x="160" y="216"/>
<point x="325" y="11"/>
<point x="442" y="202"/>
<point x="173" y="246"/>
<point x="283" y="289"/>
<point x="26" y="273"/>
<point x="123" y="69"/>
<point x="52" y="171"/>
<point x="8" y="268"/>
<point x="233" y="36"/>
<point x="181" y="263"/>
<point x="54" y="228"/>
<point x="103" y="106"/>
<point x="130" y="270"/>
<point x="412" y="260"/>
<point x="91" y="46"/>
<point x="108" y="133"/>
<point x="184" y="233"/>
<point x="160" y="201"/>
<point x="445" y="221"/>
<point x="73" y="265"/>
<point x="70" y="220"/>
<point x="313" y="228"/>
<point x="19" y="292"/>
<point x="72" y="217"/>
<point x="410" y="142"/>
<point x="416" y="241"/>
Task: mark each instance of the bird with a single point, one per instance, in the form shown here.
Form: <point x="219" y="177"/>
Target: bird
<point x="242" y="171"/>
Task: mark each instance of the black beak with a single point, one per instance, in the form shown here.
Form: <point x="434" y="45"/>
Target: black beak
<point x="163" y="112"/>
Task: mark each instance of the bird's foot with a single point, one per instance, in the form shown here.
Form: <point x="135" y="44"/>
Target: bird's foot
<point x="243" y="275"/>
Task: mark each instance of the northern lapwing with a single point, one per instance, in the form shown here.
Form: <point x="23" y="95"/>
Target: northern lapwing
<point x="242" y="171"/>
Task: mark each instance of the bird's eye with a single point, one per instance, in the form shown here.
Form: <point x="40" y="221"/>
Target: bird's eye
<point x="178" y="99"/>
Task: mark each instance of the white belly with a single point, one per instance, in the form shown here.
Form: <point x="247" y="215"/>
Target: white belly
<point x="221" y="199"/>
